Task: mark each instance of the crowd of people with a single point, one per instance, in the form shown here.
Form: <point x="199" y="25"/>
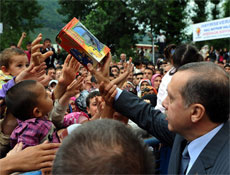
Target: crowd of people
<point x="69" y="119"/>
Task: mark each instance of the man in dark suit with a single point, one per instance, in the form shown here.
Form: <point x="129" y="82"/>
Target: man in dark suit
<point x="196" y="120"/>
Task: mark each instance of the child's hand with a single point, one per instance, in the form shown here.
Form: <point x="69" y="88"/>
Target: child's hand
<point x="36" y="56"/>
<point x="74" y="87"/>
<point x="103" y="73"/>
<point x="119" y="81"/>
<point x="69" y="70"/>
<point x="32" y="73"/>
<point x="23" y="34"/>
<point x="70" y="91"/>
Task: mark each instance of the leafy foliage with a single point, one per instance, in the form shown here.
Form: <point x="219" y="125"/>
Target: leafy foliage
<point x="156" y="16"/>
<point x="75" y="8"/>
<point x="200" y="11"/>
<point x="17" y="17"/>
<point x="226" y="6"/>
<point x="51" y="20"/>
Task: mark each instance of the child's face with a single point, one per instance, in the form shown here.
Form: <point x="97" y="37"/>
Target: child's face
<point x="17" y="65"/>
<point x="92" y="109"/>
<point x="45" y="103"/>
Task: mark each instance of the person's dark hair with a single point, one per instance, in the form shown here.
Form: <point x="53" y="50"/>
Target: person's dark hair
<point x="47" y="39"/>
<point x="115" y="67"/>
<point x="59" y="68"/>
<point x="103" y="147"/>
<point x="208" y="86"/>
<point x="93" y="79"/>
<point x="21" y="99"/>
<point x="227" y="65"/>
<point x="50" y="68"/>
<point x="122" y="68"/>
<point x="150" y="69"/>
<point x="90" y="96"/>
<point x="184" y="54"/>
<point x="137" y="63"/>
<point x="13" y="44"/>
<point x="139" y="73"/>
<point x="169" y="51"/>
<point x="29" y="42"/>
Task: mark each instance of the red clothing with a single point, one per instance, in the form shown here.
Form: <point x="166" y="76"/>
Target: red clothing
<point x="28" y="53"/>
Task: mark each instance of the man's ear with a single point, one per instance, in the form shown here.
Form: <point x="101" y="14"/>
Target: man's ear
<point x="5" y="70"/>
<point x="37" y="113"/>
<point x="197" y="112"/>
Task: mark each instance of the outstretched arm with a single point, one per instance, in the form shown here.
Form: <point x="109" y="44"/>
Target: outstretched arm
<point x="21" y="39"/>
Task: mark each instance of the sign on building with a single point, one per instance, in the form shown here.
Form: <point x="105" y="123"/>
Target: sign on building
<point x="215" y="29"/>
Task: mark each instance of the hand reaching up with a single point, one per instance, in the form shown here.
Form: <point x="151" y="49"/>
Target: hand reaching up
<point x="36" y="56"/>
<point x="69" y="72"/>
<point x="103" y="73"/>
<point x="71" y="91"/>
<point x="108" y="92"/>
<point x="119" y="81"/>
<point x="32" y="73"/>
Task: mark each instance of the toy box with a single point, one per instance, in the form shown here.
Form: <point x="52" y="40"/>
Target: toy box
<point x="81" y="44"/>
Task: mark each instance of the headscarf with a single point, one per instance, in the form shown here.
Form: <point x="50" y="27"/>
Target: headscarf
<point x="154" y="77"/>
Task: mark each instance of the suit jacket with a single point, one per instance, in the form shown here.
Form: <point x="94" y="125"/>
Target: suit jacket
<point x="214" y="158"/>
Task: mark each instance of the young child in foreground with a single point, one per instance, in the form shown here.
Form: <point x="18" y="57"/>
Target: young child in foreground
<point x="29" y="102"/>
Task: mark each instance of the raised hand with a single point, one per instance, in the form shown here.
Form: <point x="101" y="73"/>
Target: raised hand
<point x="102" y="74"/>
<point x="108" y="92"/>
<point x="71" y="91"/>
<point x="36" y="56"/>
<point x="32" y="73"/>
<point x="119" y="81"/>
<point x="69" y="72"/>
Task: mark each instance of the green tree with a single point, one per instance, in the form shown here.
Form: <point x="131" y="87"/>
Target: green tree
<point x="175" y="23"/>
<point x="226" y="7"/>
<point x="200" y="11"/>
<point x="199" y="16"/>
<point x="168" y="16"/>
<point x="17" y="17"/>
<point x="215" y="11"/>
<point x="75" y="8"/>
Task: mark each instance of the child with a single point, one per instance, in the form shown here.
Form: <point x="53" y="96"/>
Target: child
<point x="30" y="108"/>
<point x="12" y="62"/>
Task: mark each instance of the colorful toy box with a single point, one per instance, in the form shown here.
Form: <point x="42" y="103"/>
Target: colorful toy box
<point x="81" y="44"/>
